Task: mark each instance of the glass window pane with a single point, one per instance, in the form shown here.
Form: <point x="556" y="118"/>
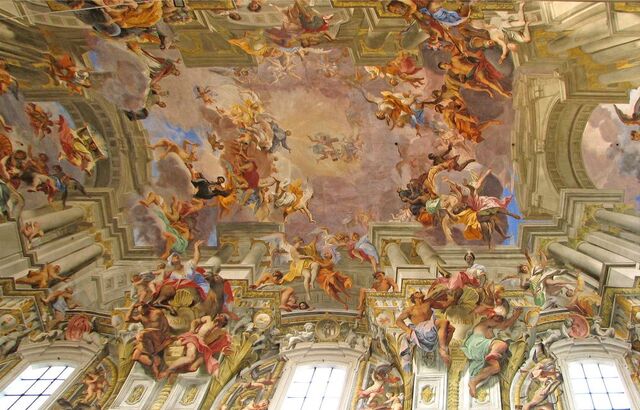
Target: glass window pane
<point x="298" y="390"/>
<point x="33" y="372"/>
<point x="18" y="387"/>
<point x="575" y="370"/>
<point x="53" y="372"/>
<point x="583" y="402"/>
<point x="596" y="386"/>
<point x="601" y="401"/>
<point x="614" y="385"/>
<point x="7" y="401"/>
<point x="317" y="389"/>
<point x="303" y="374"/>
<point x="579" y="386"/>
<point x="34" y="387"/>
<point x="38" y="403"/>
<point x="603" y="388"/>
<point x="53" y="386"/>
<point x="322" y="375"/>
<point x="321" y="384"/>
<point x="67" y="372"/>
<point x="311" y="404"/>
<point x="293" y="404"/>
<point x="38" y="387"/>
<point x="591" y="369"/>
<point x="23" y="403"/>
<point x="608" y="370"/>
<point x="619" y="401"/>
<point x="330" y="404"/>
<point x="337" y="377"/>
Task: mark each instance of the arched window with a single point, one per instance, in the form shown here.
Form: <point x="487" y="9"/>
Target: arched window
<point x="597" y="385"/>
<point x="34" y="386"/>
<point x="315" y="388"/>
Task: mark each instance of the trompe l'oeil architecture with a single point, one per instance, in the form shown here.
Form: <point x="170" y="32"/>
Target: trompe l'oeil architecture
<point x="319" y="205"/>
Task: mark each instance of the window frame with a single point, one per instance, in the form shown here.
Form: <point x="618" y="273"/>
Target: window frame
<point x="601" y="350"/>
<point x="316" y="366"/>
<point x="325" y="354"/>
<point x="56" y="393"/>
<point x="596" y="361"/>
<point x="60" y="352"/>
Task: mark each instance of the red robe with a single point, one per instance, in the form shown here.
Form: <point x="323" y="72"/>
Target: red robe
<point x="221" y="344"/>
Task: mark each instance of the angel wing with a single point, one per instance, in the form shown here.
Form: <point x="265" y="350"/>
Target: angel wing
<point x="307" y="194"/>
<point x="626" y="119"/>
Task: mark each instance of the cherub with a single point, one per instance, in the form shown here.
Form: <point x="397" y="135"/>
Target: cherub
<point x="39" y="119"/>
<point x="598" y="330"/>
<point x="186" y="153"/>
<point x="216" y="144"/>
<point x="298" y="336"/>
<point x="42" y="278"/>
<point x="31" y="230"/>
<point x="95" y="382"/>
<point x="549" y="379"/>
<point x="380" y="376"/>
<point x="252" y="380"/>
<point x="394" y="401"/>
<point x="141" y="284"/>
<point x="205" y="94"/>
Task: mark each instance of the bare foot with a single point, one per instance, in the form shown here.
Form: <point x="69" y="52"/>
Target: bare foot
<point x="473" y="387"/>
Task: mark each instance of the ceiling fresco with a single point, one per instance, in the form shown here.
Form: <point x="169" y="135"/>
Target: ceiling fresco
<point x="609" y="141"/>
<point x="319" y="204"/>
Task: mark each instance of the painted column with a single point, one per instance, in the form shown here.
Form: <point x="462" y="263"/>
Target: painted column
<point x="396" y="255"/>
<point x="376" y="39"/>
<point x="256" y="253"/>
<point x="618" y="245"/>
<point x="579" y="260"/>
<point x="75" y="260"/>
<point x="428" y="255"/>
<point x="414" y="38"/>
<point x="58" y="219"/>
<point x="601" y="254"/>
<point x="624" y="221"/>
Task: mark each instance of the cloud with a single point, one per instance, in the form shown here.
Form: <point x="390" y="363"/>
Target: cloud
<point x="123" y="78"/>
